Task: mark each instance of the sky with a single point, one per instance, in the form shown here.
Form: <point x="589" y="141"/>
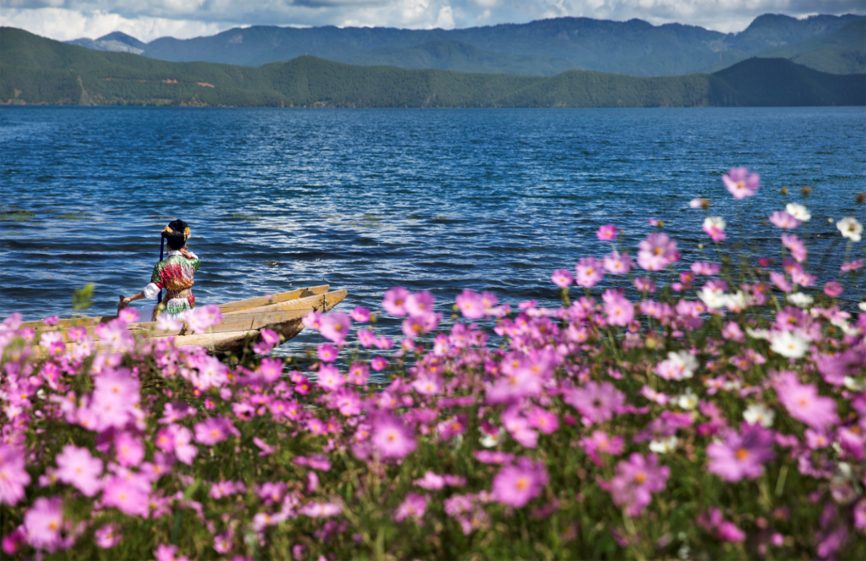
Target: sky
<point x="150" y="19"/>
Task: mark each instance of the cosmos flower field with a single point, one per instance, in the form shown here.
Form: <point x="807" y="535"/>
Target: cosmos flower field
<point x="714" y="410"/>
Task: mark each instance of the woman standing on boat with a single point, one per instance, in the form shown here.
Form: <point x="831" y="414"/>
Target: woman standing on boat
<point x="174" y="274"/>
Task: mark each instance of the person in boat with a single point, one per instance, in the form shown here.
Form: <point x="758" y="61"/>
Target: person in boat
<point x="174" y="274"/>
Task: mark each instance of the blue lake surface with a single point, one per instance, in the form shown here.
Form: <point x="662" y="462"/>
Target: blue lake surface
<point x="491" y="199"/>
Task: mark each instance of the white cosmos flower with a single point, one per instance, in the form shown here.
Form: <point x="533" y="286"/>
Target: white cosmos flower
<point x="798" y="211"/>
<point x="758" y="413"/>
<point x="687" y="400"/>
<point x="664" y="445"/>
<point x="862" y="306"/>
<point x="737" y="302"/>
<point x="852" y="384"/>
<point x="680" y="366"/>
<point x="850" y="228"/>
<point x="696" y="203"/>
<point x="714" y="299"/>
<point x="758" y="333"/>
<point x="789" y="344"/>
<point x="800" y="300"/>
<point x="716" y="222"/>
<point x="491" y="440"/>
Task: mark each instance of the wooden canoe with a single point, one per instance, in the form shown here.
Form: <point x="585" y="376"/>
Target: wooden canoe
<point x="242" y="320"/>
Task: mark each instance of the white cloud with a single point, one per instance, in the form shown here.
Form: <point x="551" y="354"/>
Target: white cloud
<point x="65" y="25"/>
<point x="149" y="19"/>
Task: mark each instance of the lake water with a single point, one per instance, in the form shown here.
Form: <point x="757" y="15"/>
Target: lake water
<point x="369" y="199"/>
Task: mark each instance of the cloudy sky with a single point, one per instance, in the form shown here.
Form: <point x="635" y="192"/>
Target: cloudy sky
<point x="150" y="19"/>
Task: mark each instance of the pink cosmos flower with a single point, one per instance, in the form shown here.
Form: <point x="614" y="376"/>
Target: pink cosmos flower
<point x="327" y="352"/>
<point x="330" y="378"/>
<point x="395" y="301"/>
<point x="420" y="303"/>
<point x="656" y="252"/>
<point x="562" y="278"/>
<point x="741" y="455"/>
<point x="706" y="269"/>
<point x="516" y="485"/>
<point x="645" y="284"/>
<point x="129" y="450"/>
<point x="204" y="317"/>
<point x="833" y="289"/>
<point x="13" y="477"/>
<point x="607" y="233"/>
<point x="617" y="308"/>
<point x="320" y="510"/>
<point x="780" y="281"/>
<point x="851" y="266"/>
<point x="600" y="442"/>
<point x="360" y="314"/>
<point x="783" y="220"/>
<point x="589" y="271"/>
<point x="391" y="438"/>
<point x="270" y="370"/>
<point x="168" y="553"/>
<point x="335" y="326"/>
<point x="77" y="467"/>
<point x="125" y="495"/>
<point x="378" y="363"/>
<point x="714" y="523"/>
<point x="44" y="522"/>
<point x="795" y="246"/>
<point x="107" y="536"/>
<point x="471" y="304"/>
<point x="313" y="320"/>
<point x="431" y="482"/>
<point x="492" y="457"/>
<point x="414" y="506"/>
<point x="543" y="420"/>
<point x="740" y="183"/>
<point x="128" y="315"/>
<point x="597" y="402"/>
<point x="213" y="430"/>
<point x="367" y="338"/>
<point x="635" y="481"/>
<point x="617" y="263"/>
<point x="803" y="402"/>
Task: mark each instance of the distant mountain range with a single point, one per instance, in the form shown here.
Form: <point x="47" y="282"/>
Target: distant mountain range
<point x="835" y="44"/>
<point x="35" y="70"/>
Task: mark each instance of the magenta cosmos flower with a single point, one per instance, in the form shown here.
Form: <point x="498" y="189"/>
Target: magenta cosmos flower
<point x="335" y="326"/>
<point x="742" y="454"/>
<point x="635" y="481"/>
<point x="471" y="304"/>
<point x="516" y="485"/>
<point x="420" y="303"/>
<point x="783" y="220"/>
<point x="607" y="233"/>
<point x="656" y="252"/>
<point x="617" y="263"/>
<point x="13" y="477"/>
<point x="589" y="271"/>
<point x="413" y="507"/>
<point x="44" y="522"/>
<point x="740" y="183"/>
<point x="617" y="307"/>
<point x="804" y="404"/>
<point x="597" y="402"/>
<point x="391" y="438"/>
<point x="562" y="278"/>
<point x="394" y="301"/>
<point x="77" y="467"/>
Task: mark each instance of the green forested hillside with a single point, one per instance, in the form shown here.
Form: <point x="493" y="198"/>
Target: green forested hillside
<point x="38" y="70"/>
<point x="840" y="52"/>
<point x="460" y="57"/>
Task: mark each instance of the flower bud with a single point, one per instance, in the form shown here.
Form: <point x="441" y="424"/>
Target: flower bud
<point x="806" y="190"/>
<point x="861" y="198"/>
<point x="784" y="190"/>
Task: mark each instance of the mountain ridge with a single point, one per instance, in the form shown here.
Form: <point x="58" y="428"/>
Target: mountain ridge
<point x="38" y="70"/>
<point x="633" y="47"/>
